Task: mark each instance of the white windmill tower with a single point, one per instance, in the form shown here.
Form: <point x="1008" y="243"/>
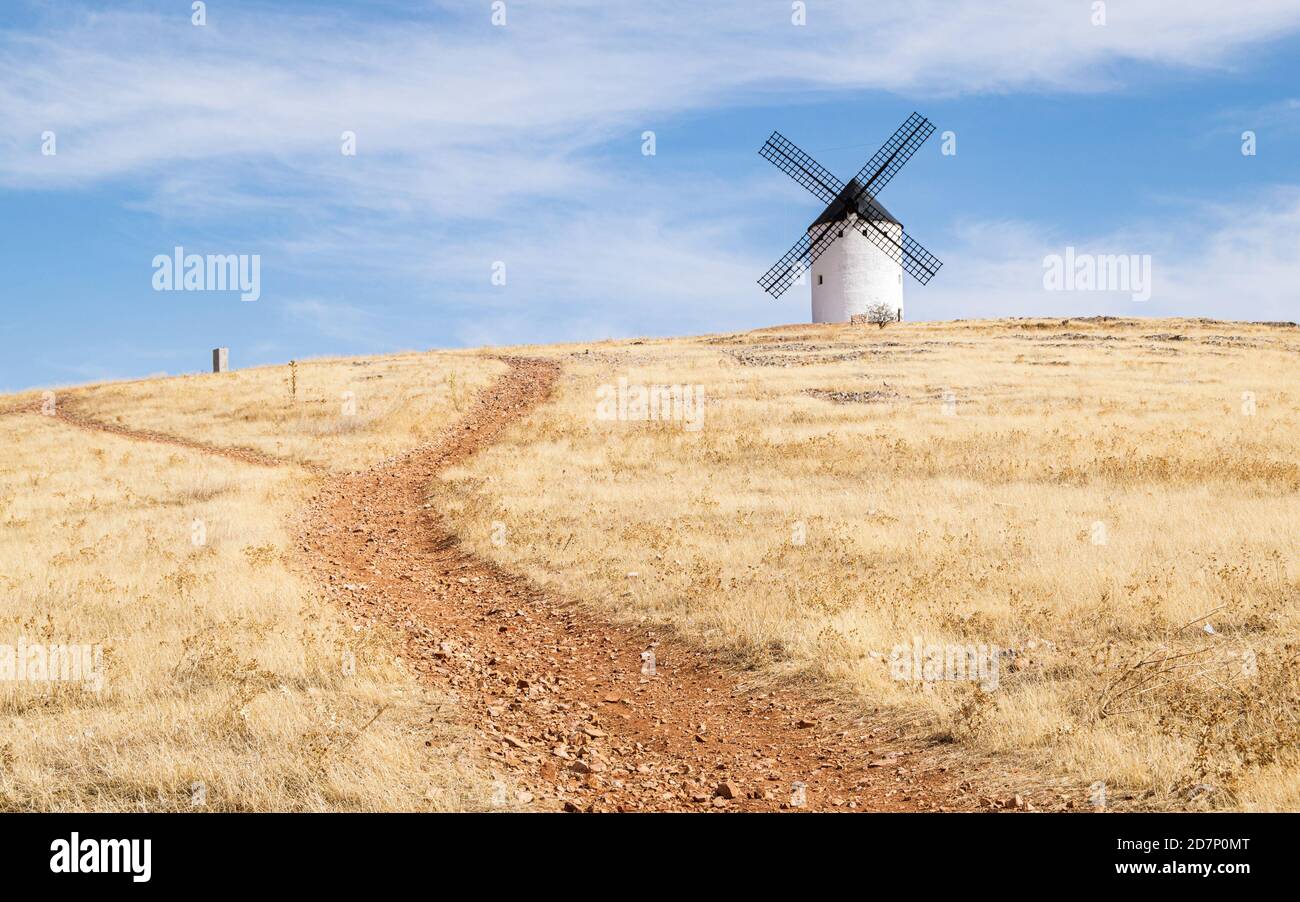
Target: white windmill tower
<point x="857" y="250"/>
<point x="853" y="274"/>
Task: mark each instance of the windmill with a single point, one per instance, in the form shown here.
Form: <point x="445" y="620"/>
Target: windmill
<point x="856" y="250"/>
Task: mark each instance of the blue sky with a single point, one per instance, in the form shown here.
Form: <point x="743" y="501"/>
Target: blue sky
<point x="522" y="144"/>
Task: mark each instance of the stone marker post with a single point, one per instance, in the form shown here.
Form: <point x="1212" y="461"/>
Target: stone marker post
<point x="220" y="360"/>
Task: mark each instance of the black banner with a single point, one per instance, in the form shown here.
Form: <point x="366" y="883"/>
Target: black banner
<point x="301" y="851"/>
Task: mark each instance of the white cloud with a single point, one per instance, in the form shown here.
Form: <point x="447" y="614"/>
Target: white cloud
<point x="129" y="92"/>
<point x="1233" y="261"/>
<point x="338" y="320"/>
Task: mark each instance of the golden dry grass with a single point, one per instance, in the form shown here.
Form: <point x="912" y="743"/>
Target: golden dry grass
<point x="850" y="489"/>
<point x="343" y="414"/>
<point x="226" y="684"/>
<point x="951" y="491"/>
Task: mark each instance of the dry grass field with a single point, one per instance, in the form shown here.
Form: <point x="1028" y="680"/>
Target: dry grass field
<point x="1106" y="509"/>
<point x="224" y="683"/>
<point x="1110" y="505"/>
<point x="341" y="414"/>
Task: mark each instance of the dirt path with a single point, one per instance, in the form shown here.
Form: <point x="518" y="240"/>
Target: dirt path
<point x="33" y="407"/>
<point x="66" y="414"/>
<point x="558" y="695"/>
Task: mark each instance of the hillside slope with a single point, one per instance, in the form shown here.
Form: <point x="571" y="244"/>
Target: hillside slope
<point x="936" y="565"/>
<point x="1110" y="505"/>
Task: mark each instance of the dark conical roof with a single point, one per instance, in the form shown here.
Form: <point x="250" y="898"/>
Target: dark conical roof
<point x="838" y="210"/>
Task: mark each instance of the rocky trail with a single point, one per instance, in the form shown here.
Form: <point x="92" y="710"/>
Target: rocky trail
<point x="575" y="712"/>
<point x="566" y="703"/>
<point x="65" y="413"/>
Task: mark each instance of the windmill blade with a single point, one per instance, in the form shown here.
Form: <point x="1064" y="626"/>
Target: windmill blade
<point x="786" y="271"/>
<point x="782" y="153"/>
<point x="919" y="263"/>
<point x="894" y="154"/>
<point x="916" y="261"/>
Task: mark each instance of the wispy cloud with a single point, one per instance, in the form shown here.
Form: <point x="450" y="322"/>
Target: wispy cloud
<point x="1218" y="260"/>
<point x="339" y="320"/>
<point x="467" y="114"/>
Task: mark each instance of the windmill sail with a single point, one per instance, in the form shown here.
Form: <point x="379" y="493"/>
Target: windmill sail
<point x="851" y="206"/>
<point x="894" y="154"/>
<point x="784" y="155"/>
